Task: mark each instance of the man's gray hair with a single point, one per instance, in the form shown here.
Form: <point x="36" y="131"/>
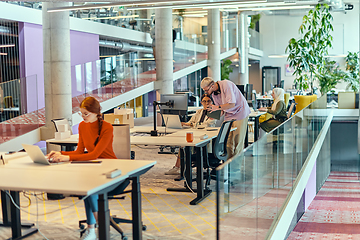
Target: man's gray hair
<point x="206" y="82"/>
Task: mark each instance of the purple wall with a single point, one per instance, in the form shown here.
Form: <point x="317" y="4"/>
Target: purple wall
<point x="84" y="48"/>
<point x="31" y="63"/>
<point x="310" y="189"/>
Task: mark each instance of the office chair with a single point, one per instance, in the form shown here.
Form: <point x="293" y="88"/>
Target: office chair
<point x="219" y="154"/>
<point x="122" y="150"/>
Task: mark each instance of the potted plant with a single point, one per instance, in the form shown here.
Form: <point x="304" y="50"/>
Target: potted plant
<point x="307" y="54"/>
<point x="352" y="65"/>
<point x="226" y="69"/>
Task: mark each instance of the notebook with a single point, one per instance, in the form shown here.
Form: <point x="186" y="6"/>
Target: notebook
<point x="37" y="155"/>
<point x="214" y="114"/>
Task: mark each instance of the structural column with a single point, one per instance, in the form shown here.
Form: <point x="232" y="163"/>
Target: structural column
<point x="57" y="69"/>
<point x="164" y="51"/>
<point x="243" y="49"/>
<point x="214" y="69"/>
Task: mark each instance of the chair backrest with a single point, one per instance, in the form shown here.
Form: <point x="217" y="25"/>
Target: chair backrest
<point x="303" y="101"/>
<point x="121" y="142"/>
<point x="8" y="101"/>
<point x="61" y="121"/>
<point x="290" y="110"/>
<point x="286" y="99"/>
<point x="219" y="149"/>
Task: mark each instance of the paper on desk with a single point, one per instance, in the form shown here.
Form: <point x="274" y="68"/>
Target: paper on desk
<point x="11" y="156"/>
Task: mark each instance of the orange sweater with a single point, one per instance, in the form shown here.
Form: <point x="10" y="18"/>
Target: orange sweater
<point x="88" y="133"/>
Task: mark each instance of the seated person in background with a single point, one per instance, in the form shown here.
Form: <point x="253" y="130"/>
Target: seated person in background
<point x="278" y="110"/>
<point x="96" y="136"/>
<point x="200" y="118"/>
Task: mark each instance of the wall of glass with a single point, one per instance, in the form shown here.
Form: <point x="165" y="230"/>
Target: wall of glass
<point x="253" y="186"/>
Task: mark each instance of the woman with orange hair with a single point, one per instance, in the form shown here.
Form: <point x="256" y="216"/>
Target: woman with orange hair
<point x="96" y="136"/>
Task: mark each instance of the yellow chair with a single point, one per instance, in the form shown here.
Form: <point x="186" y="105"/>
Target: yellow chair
<point x="267" y="116"/>
<point x="303" y="101"/>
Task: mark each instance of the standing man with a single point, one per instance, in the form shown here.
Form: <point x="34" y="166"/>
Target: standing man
<point x="228" y="98"/>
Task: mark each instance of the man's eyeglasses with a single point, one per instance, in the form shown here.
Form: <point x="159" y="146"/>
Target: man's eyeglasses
<point x="208" y="87"/>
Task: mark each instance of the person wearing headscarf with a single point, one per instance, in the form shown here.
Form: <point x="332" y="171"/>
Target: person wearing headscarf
<point x="277" y="109"/>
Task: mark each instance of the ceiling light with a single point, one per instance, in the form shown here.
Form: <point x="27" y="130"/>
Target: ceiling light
<point x="197" y="5"/>
<point x="275" y="8"/>
<point x="3" y="54"/>
<point x="109" y="5"/>
<point x="191" y="12"/>
<point x="278" y="56"/>
<point x="7" y="45"/>
<point x="336" y="56"/>
<point x="116" y="17"/>
<point x="194" y="15"/>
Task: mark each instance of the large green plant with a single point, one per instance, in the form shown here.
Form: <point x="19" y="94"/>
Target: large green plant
<point x="352" y="65"/>
<point x="329" y="76"/>
<point x="254" y="19"/>
<point x="307" y="54"/>
<point x="226" y="69"/>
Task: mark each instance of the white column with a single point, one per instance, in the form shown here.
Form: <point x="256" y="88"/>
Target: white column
<point x="214" y="69"/>
<point x="243" y="49"/>
<point x="57" y="69"/>
<point x="164" y="50"/>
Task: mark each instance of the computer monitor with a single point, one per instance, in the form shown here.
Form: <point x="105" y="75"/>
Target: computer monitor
<point x="180" y="104"/>
<point x="249" y="88"/>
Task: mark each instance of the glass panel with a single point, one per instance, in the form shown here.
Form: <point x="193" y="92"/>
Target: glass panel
<point x="19" y="107"/>
<point x="255" y="184"/>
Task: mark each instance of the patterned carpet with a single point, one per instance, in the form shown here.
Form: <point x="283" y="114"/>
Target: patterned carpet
<point x="167" y="215"/>
<point x="335" y="211"/>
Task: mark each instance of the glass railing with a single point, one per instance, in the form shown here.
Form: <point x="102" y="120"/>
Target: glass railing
<point x="228" y="32"/>
<point x="109" y="77"/>
<point x="253" y="186"/>
<point x="19" y="97"/>
<point x="255" y="39"/>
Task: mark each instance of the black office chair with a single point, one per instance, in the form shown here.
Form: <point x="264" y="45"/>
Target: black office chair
<point x="121" y="138"/>
<point x="219" y="153"/>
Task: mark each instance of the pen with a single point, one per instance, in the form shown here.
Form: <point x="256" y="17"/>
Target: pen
<point x="75" y="162"/>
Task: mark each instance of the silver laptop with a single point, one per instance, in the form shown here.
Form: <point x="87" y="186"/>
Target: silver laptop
<point x="172" y="121"/>
<point x="37" y="155"/>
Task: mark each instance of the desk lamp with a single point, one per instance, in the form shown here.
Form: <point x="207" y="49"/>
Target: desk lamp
<point x="170" y="104"/>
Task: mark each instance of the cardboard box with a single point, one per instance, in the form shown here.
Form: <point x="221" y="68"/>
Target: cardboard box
<point x="62" y="135"/>
<point x="125" y="116"/>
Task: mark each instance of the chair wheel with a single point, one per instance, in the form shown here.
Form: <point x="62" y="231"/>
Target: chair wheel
<point x="144" y="227"/>
<point x="81" y="226"/>
<point x="124" y="238"/>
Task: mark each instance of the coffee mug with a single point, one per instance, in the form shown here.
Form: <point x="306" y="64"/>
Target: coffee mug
<point x="189" y="137"/>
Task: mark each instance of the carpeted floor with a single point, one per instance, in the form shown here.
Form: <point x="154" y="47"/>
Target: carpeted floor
<point x="167" y="215"/>
<point x="335" y="211"/>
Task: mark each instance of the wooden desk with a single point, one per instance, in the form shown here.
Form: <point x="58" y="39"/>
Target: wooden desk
<point x="176" y="138"/>
<point x="21" y="174"/>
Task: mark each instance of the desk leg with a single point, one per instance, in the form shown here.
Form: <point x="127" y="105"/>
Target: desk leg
<point x="201" y="192"/>
<point x="256" y="129"/>
<point x="16" y="220"/>
<point x="182" y="164"/>
<point x="246" y="137"/>
<point x="136" y="208"/>
<point x="188" y="173"/>
<point x="5" y="206"/>
<point x="104" y="217"/>
<point x="15" y="216"/>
